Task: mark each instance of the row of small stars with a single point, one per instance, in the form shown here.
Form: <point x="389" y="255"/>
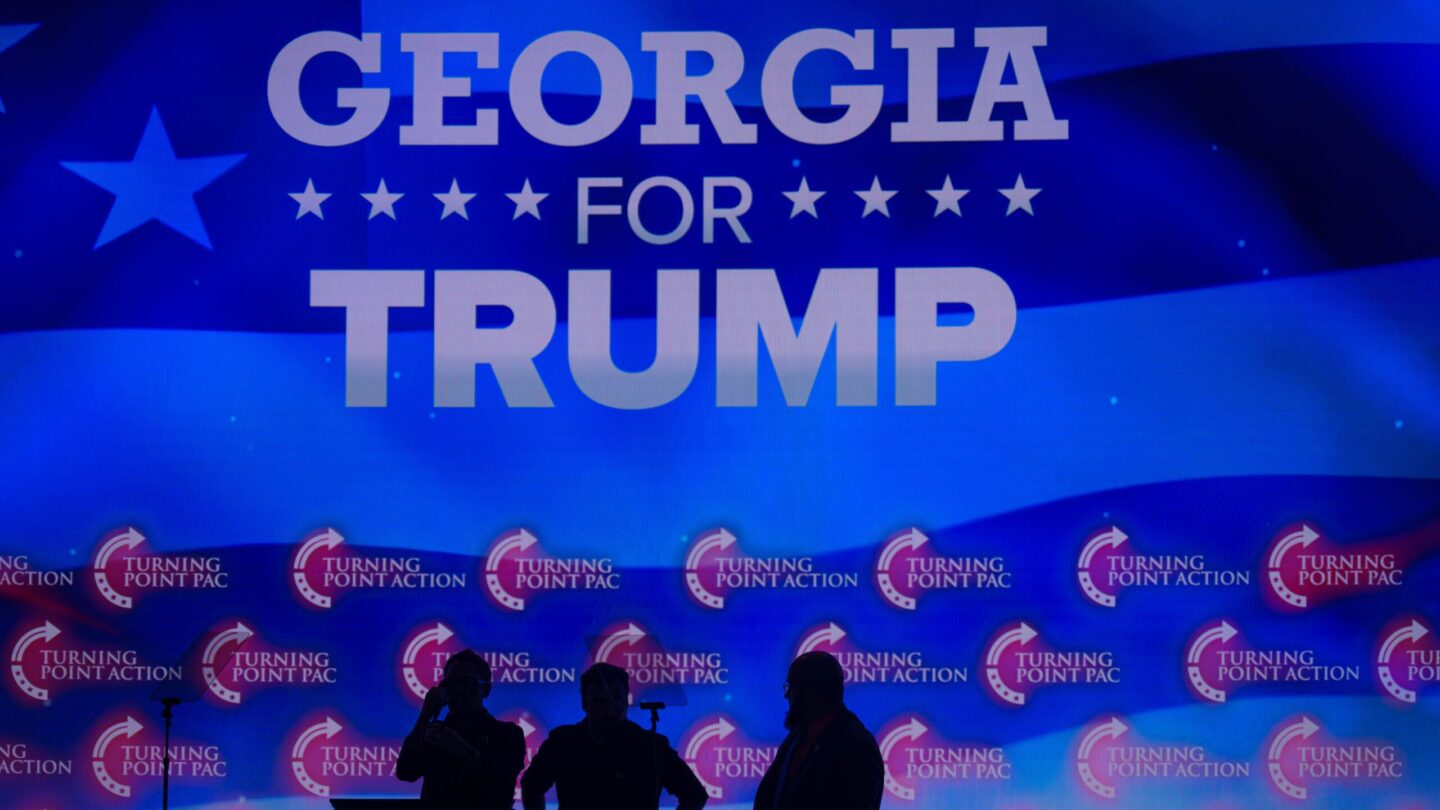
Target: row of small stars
<point x="802" y="199"/>
<point x="382" y="201"/>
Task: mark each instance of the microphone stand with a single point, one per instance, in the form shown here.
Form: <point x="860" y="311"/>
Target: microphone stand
<point x="169" y="703"/>
<point x="201" y="657"/>
<point x="654" y="707"/>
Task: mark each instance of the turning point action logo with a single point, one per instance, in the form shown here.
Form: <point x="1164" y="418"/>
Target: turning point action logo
<point x="1103" y="760"/>
<point x="21" y="760"/>
<point x="1296" y="757"/>
<point x="429" y="646"/>
<point x="907" y="567"/>
<point x="322" y="566"/>
<point x="723" y="758"/>
<point x="1108" y="563"/>
<point x="253" y="664"/>
<point x="1217" y="661"/>
<point x="124" y="569"/>
<point x="715" y="565"/>
<point x="1302" y="568"/>
<point x="914" y="754"/>
<point x="322" y="761"/>
<point x="118" y="761"/>
<point x="1403" y="662"/>
<point x="15" y="572"/>
<point x="39" y="665"/>
<point x="1018" y="662"/>
<point x="862" y="666"/>
<point x="516" y="568"/>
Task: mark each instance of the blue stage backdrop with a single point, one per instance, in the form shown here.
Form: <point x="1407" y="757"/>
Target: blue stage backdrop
<point x="1071" y="371"/>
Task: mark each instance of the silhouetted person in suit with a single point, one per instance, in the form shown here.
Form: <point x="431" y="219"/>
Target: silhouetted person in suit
<point x="469" y="759"/>
<point x="606" y="762"/>
<point x="829" y="761"/>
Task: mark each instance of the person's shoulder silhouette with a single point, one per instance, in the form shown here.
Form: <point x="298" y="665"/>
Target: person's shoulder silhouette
<point x="829" y="760"/>
<point x="606" y="761"/>
<point x="468" y="758"/>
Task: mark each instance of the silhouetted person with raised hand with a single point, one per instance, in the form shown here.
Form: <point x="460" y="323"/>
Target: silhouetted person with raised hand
<point x="830" y="760"/>
<point x="469" y="759"/>
<point x="606" y="762"/>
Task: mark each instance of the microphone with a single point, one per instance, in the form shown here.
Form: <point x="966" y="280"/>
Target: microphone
<point x="651" y="705"/>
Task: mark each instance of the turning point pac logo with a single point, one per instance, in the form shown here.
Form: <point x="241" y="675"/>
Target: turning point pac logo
<point x="914" y="755"/>
<point x="100" y="751"/>
<point x="1407" y="659"/>
<point x="516" y="568"/>
<point x="1108" y="563"/>
<point x="120" y="763"/>
<point x="230" y="673"/>
<point x="1106" y="756"/>
<point x="530" y="729"/>
<point x="632" y="648"/>
<point x="1217" y="661"/>
<point x="907" y="567"/>
<point x="322" y="566"/>
<point x="715" y="565"/>
<point x="1303" y="568"/>
<point x="1018" y="662"/>
<point x="1299" y="754"/>
<point x="123" y="569"/>
<point x="864" y="666"/>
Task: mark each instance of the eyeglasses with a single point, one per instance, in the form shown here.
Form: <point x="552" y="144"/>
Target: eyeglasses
<point x="474" y="682"/>
<point x="605" y="698"/>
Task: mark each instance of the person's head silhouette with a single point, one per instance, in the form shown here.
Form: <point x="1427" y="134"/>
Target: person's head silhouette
<point x="814" y="687"/>
<point x="605" y="697"/>
<point x="466" y="682"/>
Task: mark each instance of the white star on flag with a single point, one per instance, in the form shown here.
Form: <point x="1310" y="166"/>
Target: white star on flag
<point x="876" y="199"/>
<point x="1019" y="197"/>
<point x="803" y="199"/>
<point x="947" y="197"/>
<point x="382" y="201"/>
<point x="527" y="201"/>
<point x="455" y="200"/>
<point x="154" y="185"/>
<point x="310" y="200"/>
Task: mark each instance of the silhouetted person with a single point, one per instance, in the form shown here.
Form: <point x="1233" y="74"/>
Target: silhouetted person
<point x="606" y="762"/>
<point x="469" y="759"/>
<point x="829" y="761"/>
